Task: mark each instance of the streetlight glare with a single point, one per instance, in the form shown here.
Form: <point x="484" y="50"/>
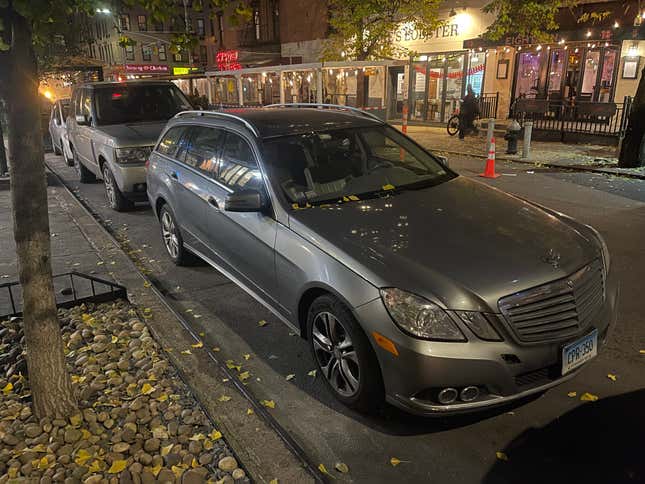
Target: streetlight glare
<point x="106" y="11"/>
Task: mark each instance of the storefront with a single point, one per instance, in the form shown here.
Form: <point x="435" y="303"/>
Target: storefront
<point x="441" y="69"/>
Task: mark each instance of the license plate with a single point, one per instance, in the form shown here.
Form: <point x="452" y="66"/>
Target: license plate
<point x="579" y="352"/>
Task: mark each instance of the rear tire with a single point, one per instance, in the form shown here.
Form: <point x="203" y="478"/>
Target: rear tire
<point x="113" y="195"/>
<point x="344" y="355"/>
<point x="171" y="237"/>
<point x="84" y="175"/>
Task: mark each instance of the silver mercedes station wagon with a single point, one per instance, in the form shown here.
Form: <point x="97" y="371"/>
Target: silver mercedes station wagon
<point x="410" y="283"/>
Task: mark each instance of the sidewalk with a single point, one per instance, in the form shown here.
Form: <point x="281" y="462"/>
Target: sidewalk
<point x="80" y="243"/>
<point x="580" y="157"/>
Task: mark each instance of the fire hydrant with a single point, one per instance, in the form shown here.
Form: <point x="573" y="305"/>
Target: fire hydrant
<point x="512" y="134"/>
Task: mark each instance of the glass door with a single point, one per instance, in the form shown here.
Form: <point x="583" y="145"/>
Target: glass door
<point x="436" y="76"/>
<point x="418" y="91"/>
<point x="590" y="71"/>
<point x="454" y="87"/>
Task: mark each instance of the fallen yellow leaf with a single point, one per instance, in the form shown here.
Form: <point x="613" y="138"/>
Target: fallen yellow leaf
<point x="199" y="344"/>
<point x="208" y="444"/>
<point x="178" y="470"/>
<point x="7" y="388"/>
<point x="588" y="397"/>
<point x="249" y="411"/>
<point x="117" y="466"/>
<point x="388" y="187"/>
<point x="82" y="456"/>
<point x="224" y="398"/>
<point x="290" y="377"/>
<point x="85" y="434"/>
<point x="312" y="373"/>
<point x="197" y="437"/>
<point x="244" y="375"/>
<point x="95" y="467"/>
<point x="147" y="389"/>
<point x="216" y="348"/>
<point x="262" y="323"/>
<point x="146" y="284"/>
<point x="166" y="450"/>
<point x="341" y="467"/>
<point x="354" y="198"/>
<point x="194" y="464"/>
<point x="247" y="356"/>
<point x="268" y="403"/>
<point x="572" y="394"/>
<point x="155" y="470"/>
<point x="162" y="398"/>
<point x="395" y="461"/>
<point x="76" y="419"/>
<point x="501" y="455"/>
<point x="114" y="339"/>
<point x="186" y="352"/>
<point x="322" y="468"/>
<point x="43" y="463"/>
<point x="215" y="435"/>
<point x="272" y="481"/>
<point x="611" y="377"/>
<point x="230" y="364"/>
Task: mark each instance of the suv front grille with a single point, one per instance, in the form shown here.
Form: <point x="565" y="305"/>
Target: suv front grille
<point x="558" y="309"/>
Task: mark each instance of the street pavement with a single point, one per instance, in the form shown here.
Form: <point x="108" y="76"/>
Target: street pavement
<point x="553" y="437"/>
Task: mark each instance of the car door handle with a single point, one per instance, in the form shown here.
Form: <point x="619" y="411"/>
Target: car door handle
<point x="173" y="175"/>
<point x="213" y="203"/>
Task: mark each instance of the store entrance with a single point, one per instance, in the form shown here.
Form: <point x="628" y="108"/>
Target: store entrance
<point x="438" y="84"/>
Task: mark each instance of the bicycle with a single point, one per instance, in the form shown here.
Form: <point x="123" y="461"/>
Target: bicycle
<point x="453" y="124"/>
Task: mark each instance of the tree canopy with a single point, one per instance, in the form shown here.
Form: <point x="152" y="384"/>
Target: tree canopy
<point x="363" y="29"/>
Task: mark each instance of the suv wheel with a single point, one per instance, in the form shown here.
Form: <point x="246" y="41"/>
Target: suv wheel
<point x="113" y="195"/>
<point x="172" y="237"/>
<point x="344" y="355"/>
<point x="84" y="175"/>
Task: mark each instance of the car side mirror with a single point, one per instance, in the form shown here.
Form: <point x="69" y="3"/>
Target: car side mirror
<point x="82" y="120"/>
<point x="247" y="200"/>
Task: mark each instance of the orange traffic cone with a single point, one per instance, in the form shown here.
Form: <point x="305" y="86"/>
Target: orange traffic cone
<point x="489" y="172"/>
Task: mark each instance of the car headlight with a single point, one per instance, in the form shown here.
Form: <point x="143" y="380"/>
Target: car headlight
<point x="606" y="259"/>
<point x="132" y="155"/>
<point x="479" y="325"/>
<point x="419" y="317"/>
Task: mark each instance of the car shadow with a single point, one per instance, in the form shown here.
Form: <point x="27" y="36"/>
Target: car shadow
<point x="599" y="442"/>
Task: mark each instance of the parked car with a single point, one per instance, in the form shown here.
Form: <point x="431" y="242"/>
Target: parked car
<point x="112" y="131"/>
<point x="58" y="130"/>
<point x="409" y="282"/>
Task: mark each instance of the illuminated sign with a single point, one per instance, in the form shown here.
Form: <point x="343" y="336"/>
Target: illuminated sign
<point x="146" y="68"/>
<point x="227" y="60"/>
<point x="182" y="71"/>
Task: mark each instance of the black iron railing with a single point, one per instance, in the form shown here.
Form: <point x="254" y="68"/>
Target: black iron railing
<point x="488" y="105"/>
<point x="71" y="289"/>
<point x="583" y="117"/>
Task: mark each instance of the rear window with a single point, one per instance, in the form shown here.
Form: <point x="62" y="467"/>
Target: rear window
<point x="138" y="103"/>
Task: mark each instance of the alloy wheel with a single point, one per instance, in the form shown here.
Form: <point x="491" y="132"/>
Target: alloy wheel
<point x="169" y="232"/>
<point x="336" y="354"/>
<point x="109" y="187"/>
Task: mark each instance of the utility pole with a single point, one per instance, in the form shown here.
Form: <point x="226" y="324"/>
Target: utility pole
<point x="3" y="154"/>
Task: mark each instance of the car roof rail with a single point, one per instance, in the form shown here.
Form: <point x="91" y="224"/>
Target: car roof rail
<point x="340" y="107"/>
<point x="218" y="114"/>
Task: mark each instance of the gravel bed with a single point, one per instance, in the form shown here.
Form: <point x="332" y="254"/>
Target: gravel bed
<point x="137" y="420"/>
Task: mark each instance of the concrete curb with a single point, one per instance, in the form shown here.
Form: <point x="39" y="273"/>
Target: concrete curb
<point x="265" y="450"/>
<point x="577" y="168"/>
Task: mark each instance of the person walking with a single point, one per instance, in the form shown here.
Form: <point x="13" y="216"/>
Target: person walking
<point x="468" y="112"/>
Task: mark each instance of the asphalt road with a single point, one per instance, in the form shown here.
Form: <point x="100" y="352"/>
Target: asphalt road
<point x="552" y="437"/>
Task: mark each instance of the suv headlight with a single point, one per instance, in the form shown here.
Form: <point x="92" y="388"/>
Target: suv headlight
<point x="479" y="324"/>
<point x="606" y="259"/>
<point x="419" y="317"/>
<point x="132" y="155"/>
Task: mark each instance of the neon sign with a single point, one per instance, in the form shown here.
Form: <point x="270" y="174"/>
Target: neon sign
<point x="227" y="60"/>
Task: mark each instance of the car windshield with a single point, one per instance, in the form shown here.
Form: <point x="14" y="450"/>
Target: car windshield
<point x="138" y="103"/>
<point x="363" y="162"/>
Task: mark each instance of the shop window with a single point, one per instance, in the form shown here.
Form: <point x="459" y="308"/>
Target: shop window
<point x="527" y="75"/>
<point x="607" y="76"/>
<point x="556" y="73"/>
<point x="200" y="28"/>
<point x="124" y="20"/>
<point x="129" y="52"/>
<point x="146" y="53"/>
<point x="162" y="53"/>
<point x="142" y="23"/>
<point x="589" y="75"/>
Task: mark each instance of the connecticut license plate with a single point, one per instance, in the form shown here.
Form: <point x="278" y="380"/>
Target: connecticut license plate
<point x="579" y="352"/>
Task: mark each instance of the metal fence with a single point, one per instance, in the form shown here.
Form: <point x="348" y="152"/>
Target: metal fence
<point x="488" y="105"/>
<point x="71" y="289"/>
<point x="584" y="117"/>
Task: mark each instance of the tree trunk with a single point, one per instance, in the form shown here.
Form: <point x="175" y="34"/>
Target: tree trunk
<point x="49" y="381"/>
<point x="632" y="152"/>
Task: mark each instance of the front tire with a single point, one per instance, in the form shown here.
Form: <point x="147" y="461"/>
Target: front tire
<point x="113" y="195"/>
<point x="84" y="175"/>
<point x="171" y="236"/>
<point x="453" y="125"/>
<point x="344" y="355"/>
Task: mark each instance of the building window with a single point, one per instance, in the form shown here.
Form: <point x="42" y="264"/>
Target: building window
<point x="162" y="53"/>
<point x="141" y="21"/>
<point x="146" y="53"/>
<point x="256" y="22"/>
<point x="129" y="52"/>
<point x="203" y="54"/>
<point x="200" y="28"/>
<point x="124" y="21"/>
<point x="177" y="57"/>
<point x="220" y="28"/>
